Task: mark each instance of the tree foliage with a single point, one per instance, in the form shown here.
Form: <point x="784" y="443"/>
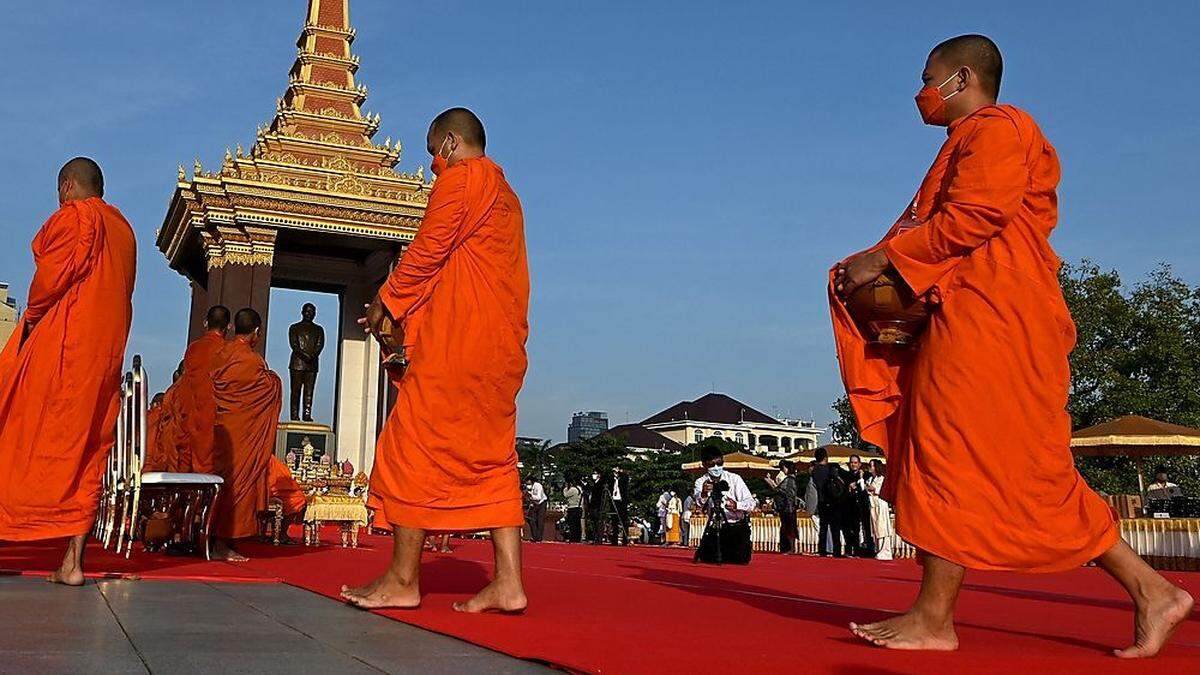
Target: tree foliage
<point x="1137" y="353"/>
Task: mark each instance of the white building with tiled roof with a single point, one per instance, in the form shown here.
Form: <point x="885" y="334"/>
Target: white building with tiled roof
<point x="721" y="416"/>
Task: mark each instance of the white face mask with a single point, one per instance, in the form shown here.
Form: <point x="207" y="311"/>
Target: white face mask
<point x="716" y="471"/>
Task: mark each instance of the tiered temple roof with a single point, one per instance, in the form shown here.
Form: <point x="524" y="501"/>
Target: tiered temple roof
<point x="315" y="168"/>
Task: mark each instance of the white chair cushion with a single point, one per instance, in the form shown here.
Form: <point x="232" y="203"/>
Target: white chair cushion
<point x="167" y="478"/>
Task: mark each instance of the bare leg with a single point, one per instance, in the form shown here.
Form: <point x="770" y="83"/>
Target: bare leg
<point x="223" y="550"/>
<point x="929" y="623"/>
<point x="1160" y="606"/>
<point x="445" y="543"/>
<point x="70" y="573"/>
<point x="506" y="593"/>
<point x="399" y="586"/>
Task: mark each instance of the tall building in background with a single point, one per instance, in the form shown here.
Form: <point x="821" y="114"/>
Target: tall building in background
<point x="8" y="314"/>
<point x="585" y="425"/>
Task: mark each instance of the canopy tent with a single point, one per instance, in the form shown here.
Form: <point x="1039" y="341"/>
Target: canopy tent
<point x="741" y="462"/>
<point x="1137" y="437"/>
<point x="836" y="453"/>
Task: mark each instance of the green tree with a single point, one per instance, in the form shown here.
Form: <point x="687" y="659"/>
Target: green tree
<point x="1137" y="352"/>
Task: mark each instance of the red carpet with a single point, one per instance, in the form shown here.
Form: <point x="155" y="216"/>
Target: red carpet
<point x="636" y="610"/>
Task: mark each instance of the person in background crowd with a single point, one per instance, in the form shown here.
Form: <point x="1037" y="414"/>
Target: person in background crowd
<point x="536" y="514"/>
<point x="786" y="503"/>
<point x="736" y="503"/>
<point x="573" y="499"/>
<point x="856" y="518"/>
<point x="685" y="520"/>
<point x="438" y="543"/>
<point x="661" y="507"/>
<point x="881" y="513"/>
<point x="831" y="491"/>
<point x="1162" y="488"/>
<point x="674" y="530"/>
<point x="619" y="487"/>
<point x="594" y="500"/>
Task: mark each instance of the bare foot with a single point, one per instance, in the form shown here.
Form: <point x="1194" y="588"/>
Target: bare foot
<point x="67" y="577"/>
<point x="909" y="631"/>
<point x="1156" y="618"/>
<point x="502" y="595"/>
<point x="386" y="592"/>
<point x="446" y="549"/>
<point x="223" y="551"/>
<point x="352" y="592"/>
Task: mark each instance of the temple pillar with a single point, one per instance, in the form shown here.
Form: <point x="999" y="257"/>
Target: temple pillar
<point x="239" y="271"/>
<point x="357" y="403"/>
<point x="199" y="311"/>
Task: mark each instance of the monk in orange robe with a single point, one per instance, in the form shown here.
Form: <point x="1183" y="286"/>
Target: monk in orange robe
<point x="248" y="397"/>
<point x="162" y="452"/>
<point x="973" y="416"/>
<point x="60" y="372"/>
<point x="446" y="459"/>
<point x="197" y="403"/>
<point x="283" y="486"/>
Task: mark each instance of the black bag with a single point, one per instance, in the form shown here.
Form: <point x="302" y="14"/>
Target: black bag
<point x="835" y="488"/>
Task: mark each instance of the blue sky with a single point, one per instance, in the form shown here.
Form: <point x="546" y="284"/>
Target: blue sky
<point x="688" y="170"/>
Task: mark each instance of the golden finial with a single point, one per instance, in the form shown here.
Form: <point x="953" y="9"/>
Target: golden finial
<point x="240" y="152"/>
<point x="421" y="173"/>
<point x="387" y="143"/>
<point x="197" y="169"/>
<point x="182" y="174"/>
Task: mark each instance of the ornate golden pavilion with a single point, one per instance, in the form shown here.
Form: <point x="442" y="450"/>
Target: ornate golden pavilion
<point x="316" y="204"/>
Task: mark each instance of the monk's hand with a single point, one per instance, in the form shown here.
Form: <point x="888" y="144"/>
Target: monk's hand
<point x="858" y="271"/>
<point x="373" y="319"/>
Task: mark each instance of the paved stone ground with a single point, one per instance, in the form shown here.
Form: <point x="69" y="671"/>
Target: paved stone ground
<point x="195" y="627"/>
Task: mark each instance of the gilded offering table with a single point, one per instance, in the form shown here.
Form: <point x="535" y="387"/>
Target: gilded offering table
<point x="348" y="511"/>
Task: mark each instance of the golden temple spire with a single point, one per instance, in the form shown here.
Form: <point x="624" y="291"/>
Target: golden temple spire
<point x="320" y="114"/>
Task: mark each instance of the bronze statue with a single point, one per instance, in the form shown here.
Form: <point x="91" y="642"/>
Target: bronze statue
<point x="307" y="340"/>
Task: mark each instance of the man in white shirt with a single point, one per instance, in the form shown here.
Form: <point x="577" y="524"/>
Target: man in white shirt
<point x="723" y="495"/>
<point x="535" y="516"/>
<point x="1162" y="488"/>
<point x="663" y="500"/>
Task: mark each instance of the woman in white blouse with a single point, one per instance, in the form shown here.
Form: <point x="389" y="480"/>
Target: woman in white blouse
<point x="881" y="513"/>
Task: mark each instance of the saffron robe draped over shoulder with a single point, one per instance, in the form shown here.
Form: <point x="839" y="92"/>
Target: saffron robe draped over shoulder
<point x="446" y="458"/>
<point x="248" y="398"/>
<point x="197" y="403"/>
<point x="973" y="417"/>
<point x="163" y="438"/>
<point x="60" y="385"/>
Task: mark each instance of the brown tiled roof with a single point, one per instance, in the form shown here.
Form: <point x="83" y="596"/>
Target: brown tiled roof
<point x="638" y="436"/>
<point x="717" y="408"/>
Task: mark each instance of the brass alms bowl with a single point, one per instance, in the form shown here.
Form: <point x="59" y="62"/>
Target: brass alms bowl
<point x="887" y="311"/>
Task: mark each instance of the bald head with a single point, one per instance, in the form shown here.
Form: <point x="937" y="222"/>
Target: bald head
<point x="462" y="123"/>
<point x="976" y="52"/>
<point x="217" y="318"/>
<point x="80" y="178"/>
<point x="246" y="321"/>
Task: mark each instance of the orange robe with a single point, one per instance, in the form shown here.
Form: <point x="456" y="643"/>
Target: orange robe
<point x="973" y="416"/>
<point x="60" y="386"/>
<point x="248" y="396"/>
<point x="162" y="434"/>
<point x="285" y="488"/>
<point x="197" y="404"/>
<point x="446" y="458"/>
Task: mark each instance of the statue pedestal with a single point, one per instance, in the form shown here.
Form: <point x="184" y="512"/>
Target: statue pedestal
<point x="291" y="438"/>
